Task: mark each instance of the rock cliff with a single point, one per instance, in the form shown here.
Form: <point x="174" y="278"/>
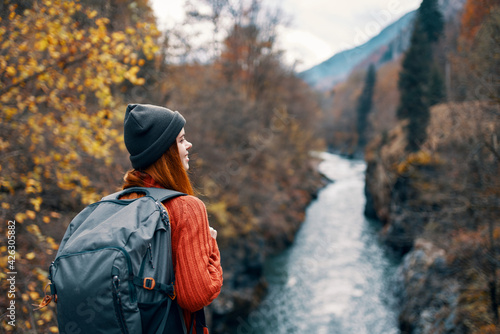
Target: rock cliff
<point x="439" y="209"/>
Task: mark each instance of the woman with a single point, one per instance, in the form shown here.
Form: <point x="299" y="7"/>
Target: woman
<point x="155" y="139"/>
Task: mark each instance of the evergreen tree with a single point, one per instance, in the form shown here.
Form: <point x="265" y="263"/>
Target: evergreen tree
<point x="420" y="88"/>
<point x="437" y="92"/>
<point x="431" y="20"/>
<point x="365" y="102"/>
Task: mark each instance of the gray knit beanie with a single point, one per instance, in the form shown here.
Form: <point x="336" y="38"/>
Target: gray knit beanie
<point x="149" y="131"/>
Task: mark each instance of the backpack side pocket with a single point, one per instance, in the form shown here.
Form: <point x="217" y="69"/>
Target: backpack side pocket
<point x="95" y="292"/>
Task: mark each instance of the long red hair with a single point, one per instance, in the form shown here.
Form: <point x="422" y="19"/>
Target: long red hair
<point x="167" y="171"/>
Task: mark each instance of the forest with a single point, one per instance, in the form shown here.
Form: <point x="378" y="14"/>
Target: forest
<point x="426" y="119"/>
<point x="68" y="69"/>
<point x="433" y="177"/>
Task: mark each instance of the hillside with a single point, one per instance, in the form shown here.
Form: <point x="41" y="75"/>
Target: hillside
<point x="388" y="45"/>
<point x="438" y="202"/>
<point x="439" y="207"/>
<point x="340" y="126"/>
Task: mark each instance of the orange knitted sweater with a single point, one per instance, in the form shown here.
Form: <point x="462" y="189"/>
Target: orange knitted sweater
<point x="196" y="257"/>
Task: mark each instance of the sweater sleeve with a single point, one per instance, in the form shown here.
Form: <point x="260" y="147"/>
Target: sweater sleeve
<point x="198" y="272"/>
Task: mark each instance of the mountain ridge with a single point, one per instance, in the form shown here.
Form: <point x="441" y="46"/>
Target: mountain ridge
<point x="388" y="45"/>
<point x="395" y="37"/>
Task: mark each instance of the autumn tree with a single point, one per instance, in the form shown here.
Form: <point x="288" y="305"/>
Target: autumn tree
<point x="485" y="60"/>
<point x="479" y="71"/>
<point x="251" y="121"/>
<point x="51" y="75"/>
<point x="415" y="79"/>
<point x="477" y="64"/>
<point x="60" y="69"/>
<point x="365" y="104"/>
<point x="473" y="16"/>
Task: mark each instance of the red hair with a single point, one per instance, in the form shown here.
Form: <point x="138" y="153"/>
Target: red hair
<point x="168" y="171"/>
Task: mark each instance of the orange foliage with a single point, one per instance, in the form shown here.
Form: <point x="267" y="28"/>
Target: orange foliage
<point x="475" y="11"/>
<point x="385" y="98"/>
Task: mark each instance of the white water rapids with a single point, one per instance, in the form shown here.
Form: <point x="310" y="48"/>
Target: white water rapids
<point x="336" y="277"/>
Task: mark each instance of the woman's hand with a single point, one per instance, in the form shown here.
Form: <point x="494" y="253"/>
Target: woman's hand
<point x="213" y="233"/>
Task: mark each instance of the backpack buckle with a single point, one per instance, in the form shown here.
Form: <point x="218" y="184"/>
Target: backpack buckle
<point x="173" y="295"/>
<point x="149" y="283"/>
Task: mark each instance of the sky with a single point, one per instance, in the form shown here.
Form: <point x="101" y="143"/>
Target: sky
<point x="318" y="29"/>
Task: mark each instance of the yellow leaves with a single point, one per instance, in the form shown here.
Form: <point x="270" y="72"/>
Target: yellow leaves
<point x="6" y="184"/>
<point x="55" y="215"/>
<point x="114" y="133"/>
<point x="36" y="202"/>
<point x="101" y="22"/>
<point x="131" y="75"/>
<point x="39" y="24"/>
<point x="219" y="210"/>
<point x="33" y="186"/>
<point x="30" y="214"/>
<point x="3" y="145"/>
<point x="52" y="244"/>
<point x="12" y="15"/>
<point x="84" y="181"/>
<point x="20" y="217"/>
<point x="61" y="83"/>
<point x="6" y="44"/>
<point x="30" y="256"/>
<point x="35" y="230"/>
<point x="11" y="71"/>
<point x="52" y="11"/>
<point x="10" y="112"/>
<point x="41" y="45"/>
<point x="47" y="316"/>
<point x="420" y="158"/>
<point x="92" y="14"/>
<point x="88" y="82"/>
<point x="64" y="110"/>
<point x="89" y="197"/>
<point x="119" y="36"/>
<point x="79" y="35"/>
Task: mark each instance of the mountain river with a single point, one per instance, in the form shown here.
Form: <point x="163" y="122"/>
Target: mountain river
<point x="336" y="277"/>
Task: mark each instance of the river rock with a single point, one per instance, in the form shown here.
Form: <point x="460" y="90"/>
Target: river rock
<point x="427" y="295"/>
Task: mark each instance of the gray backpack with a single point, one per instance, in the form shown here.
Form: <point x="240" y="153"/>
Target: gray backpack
<point x="113" y="272"/>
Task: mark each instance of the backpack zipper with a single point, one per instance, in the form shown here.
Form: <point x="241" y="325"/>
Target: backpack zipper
<point x="117" y="300"/>
<point x="151" y="256"/>
<point x="148" y="255"/>
<point x="163" y="213"/>
<point x="133" y="296"/>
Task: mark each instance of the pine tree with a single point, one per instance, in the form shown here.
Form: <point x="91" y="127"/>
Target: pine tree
<point x="365" y="102"/>
<point x="419" y="88"/>
<point x="431" y="20"/>
<point x="436" y="92"/>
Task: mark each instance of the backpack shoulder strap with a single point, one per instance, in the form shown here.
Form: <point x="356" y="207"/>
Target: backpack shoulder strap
<point x="159" y="194"/>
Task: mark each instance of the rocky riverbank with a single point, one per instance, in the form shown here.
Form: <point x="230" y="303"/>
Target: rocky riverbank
<point x="440" y="207"/>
